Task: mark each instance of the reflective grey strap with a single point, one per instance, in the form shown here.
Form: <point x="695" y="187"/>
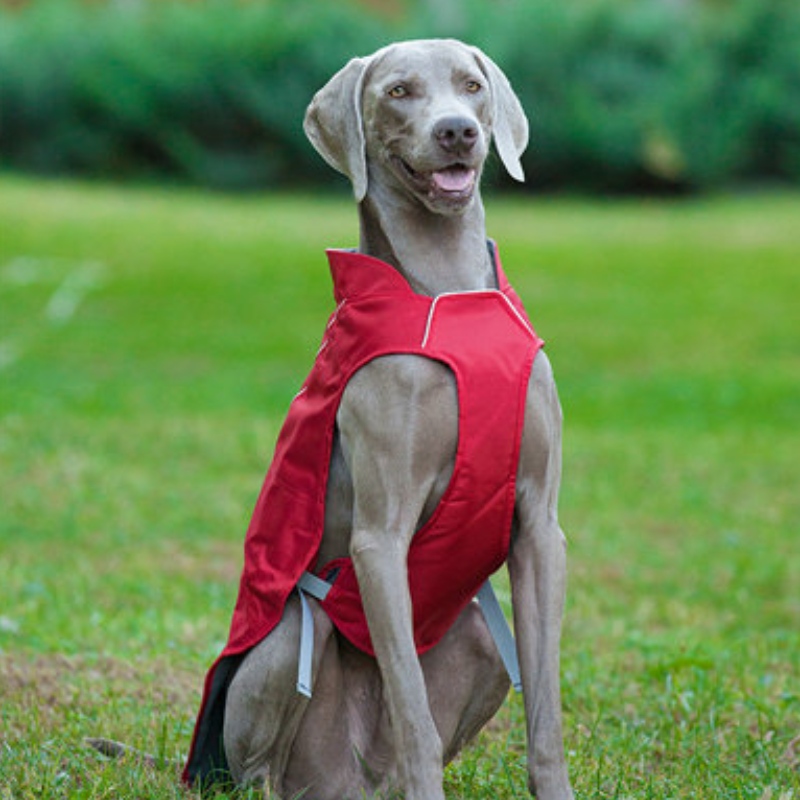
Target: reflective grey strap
<point x="314" y="586"/>
<point x="490" y="606"/>
<point x="306" y="657"/>
<point x="501" y="633"/>
<point x="318" y="588"/>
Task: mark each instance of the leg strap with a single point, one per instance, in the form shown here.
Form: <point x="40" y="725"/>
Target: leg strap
<point x="308" y="584"/>
<point x="490" y="606"/>
<point x="501" y="633"/>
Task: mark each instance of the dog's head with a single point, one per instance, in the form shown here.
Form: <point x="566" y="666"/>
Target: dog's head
<point x="418" y="116"/>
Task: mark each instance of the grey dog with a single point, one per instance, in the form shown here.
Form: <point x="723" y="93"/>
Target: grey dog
<point x="411" y="127"/>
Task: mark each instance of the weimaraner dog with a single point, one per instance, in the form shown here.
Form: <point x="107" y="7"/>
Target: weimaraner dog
<point x="410" y="126"/>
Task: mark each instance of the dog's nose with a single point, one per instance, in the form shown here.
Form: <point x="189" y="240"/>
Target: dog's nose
<point x="456" y="134"/>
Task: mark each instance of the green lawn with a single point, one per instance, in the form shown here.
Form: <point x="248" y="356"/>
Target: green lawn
<point x="150" y="342"/>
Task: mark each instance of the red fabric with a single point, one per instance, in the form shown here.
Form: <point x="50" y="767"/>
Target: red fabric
<point x="488" y="343"/>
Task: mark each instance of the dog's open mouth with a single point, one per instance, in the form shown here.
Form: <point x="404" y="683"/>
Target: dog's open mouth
<point x="455" y="182"/>
<point x="457" y="179"/>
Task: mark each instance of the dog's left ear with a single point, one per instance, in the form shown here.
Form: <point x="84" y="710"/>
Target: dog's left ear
<point x="510" y="125"/>
<point x="334" y="125"/>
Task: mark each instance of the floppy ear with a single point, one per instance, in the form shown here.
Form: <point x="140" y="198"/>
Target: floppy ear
<point x="334" y="126"/>
<point x="510" y="125"/>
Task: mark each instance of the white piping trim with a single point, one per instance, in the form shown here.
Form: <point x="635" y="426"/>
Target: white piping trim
<point x="518" y="315"/>
<point x="335" y="314"/>
<point x="432" y="311"/>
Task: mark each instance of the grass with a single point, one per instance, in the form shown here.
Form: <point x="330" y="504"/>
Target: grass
<point x="150" y="341"/>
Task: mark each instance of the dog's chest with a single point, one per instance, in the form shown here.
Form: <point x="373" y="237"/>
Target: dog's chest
<point x="486" y="342"/>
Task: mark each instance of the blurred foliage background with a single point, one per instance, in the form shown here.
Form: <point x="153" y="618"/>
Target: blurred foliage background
<point x="670" y="96"/>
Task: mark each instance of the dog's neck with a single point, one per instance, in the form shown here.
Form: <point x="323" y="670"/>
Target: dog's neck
<point x="435" y="253"/>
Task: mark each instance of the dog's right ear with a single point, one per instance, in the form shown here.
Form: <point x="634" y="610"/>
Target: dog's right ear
<point x="508" y="117"/>
<point x="335" y="127"/>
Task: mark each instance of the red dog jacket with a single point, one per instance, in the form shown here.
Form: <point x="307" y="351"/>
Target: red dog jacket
<point x="486" y="340"/>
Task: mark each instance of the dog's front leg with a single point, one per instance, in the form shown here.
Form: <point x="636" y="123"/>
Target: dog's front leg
<point x="537" y="567"/>
<point x="381" y="572"/>
<point x="396" y="444"/>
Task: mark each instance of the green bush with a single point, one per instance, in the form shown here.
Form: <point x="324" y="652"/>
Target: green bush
<point x="657" y="94"/>
<point x="623" y="95"/>
<point x="213" y="94"/>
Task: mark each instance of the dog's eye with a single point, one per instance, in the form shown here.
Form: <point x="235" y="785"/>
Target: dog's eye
<point x="473" y="87"/>
<point x="398" y="91"/>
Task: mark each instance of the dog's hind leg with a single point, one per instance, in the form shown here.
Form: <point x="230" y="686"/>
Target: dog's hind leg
<point x="263" y="709"/>
<point x="465" y="679"/>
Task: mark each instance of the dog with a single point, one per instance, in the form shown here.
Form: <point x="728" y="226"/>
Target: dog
<point x="389" y="695"/>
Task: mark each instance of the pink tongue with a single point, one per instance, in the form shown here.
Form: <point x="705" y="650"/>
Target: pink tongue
<point x="455" y="179"/>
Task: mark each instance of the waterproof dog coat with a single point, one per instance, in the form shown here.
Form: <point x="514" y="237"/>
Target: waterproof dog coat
<point x="486" y="340"/>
